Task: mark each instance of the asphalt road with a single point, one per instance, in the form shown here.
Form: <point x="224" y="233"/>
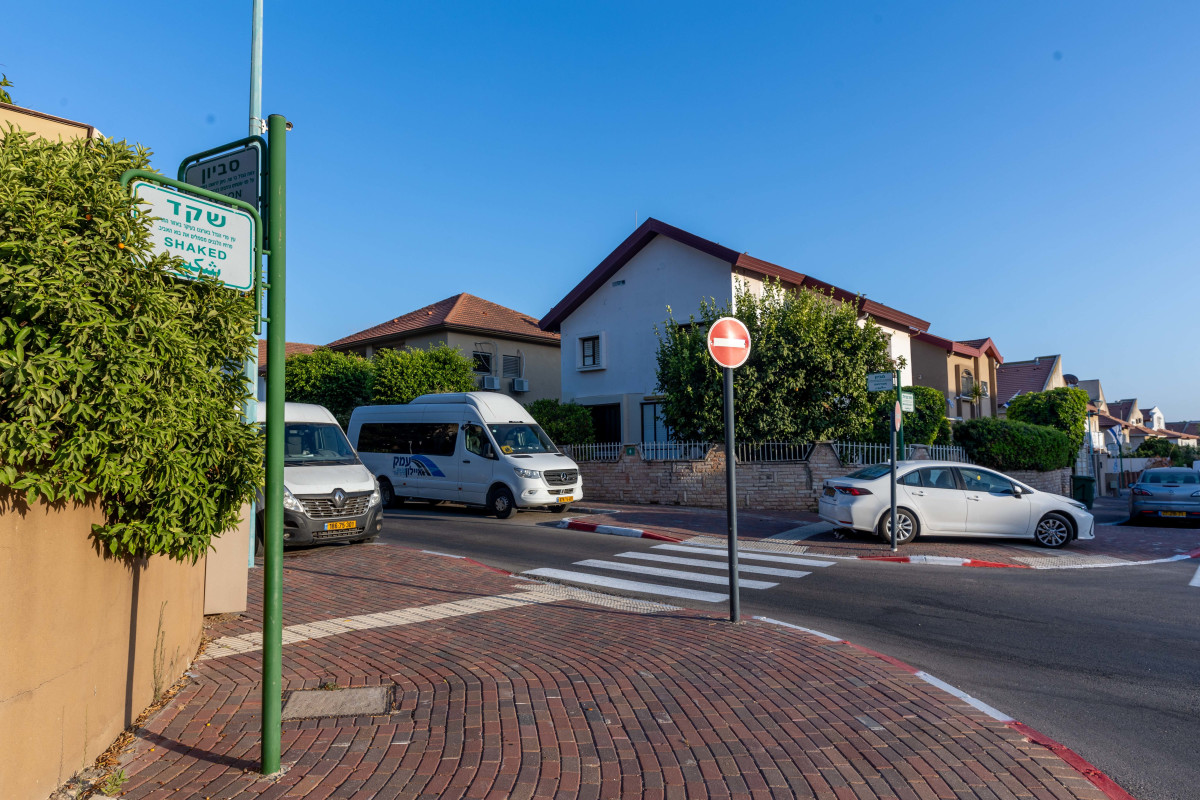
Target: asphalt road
<point x="1106" y="661"/>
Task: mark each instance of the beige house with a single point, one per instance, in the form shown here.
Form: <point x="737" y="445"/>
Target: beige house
<point x="510" y="352"/>
<point x="956" y="368"/>
<point x="45" y="125"/>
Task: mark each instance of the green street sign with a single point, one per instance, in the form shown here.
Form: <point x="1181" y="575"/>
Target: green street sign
<point x="213" y="239"/>
<point x="906" y="401"/>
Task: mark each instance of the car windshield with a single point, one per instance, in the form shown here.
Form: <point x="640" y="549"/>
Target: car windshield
<point x="522" y="437"/>
<point x="316" y="443"/>
<point x="1183" y="476"/>
<point x="871" y="473"/>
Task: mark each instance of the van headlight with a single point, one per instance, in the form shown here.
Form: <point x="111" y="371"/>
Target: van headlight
<point x="290" y="502"/>
<point x="531" y="474"/>
<point x="374" y="499"/>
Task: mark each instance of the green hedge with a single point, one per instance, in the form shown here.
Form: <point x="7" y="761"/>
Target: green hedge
<point x="1005" y="444"/>
<point x="118" y="381"/>
<point x="564" y="423"/>
<point x="925" y="424"/>
<point x="1064" y="409"/>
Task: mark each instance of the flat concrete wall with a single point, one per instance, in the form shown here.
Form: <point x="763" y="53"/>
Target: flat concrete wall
<point x="771" y="486"/>
<point x="85" y="642"/>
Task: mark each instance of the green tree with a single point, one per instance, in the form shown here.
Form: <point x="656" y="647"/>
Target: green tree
<point x="402" y="375"/>
<point x="1155" y="447"/>
<point x="564" y="423"/>
<point x="338" y="381"/>
<point x="5" y="97"/>
<point x="923" y="425"/>
<point x="1064" y="409"/>
<point x="119" y="381"/>
<point x="805" y="379"/>
<point x="1006" y="444"/>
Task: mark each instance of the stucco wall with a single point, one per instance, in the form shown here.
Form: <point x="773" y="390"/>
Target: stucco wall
<point x="84" y="640"/>
<point x="773" y="486"/>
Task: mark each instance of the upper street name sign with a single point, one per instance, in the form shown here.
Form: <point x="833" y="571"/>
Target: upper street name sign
<point x="232" y="174"/>
<point x="213" y="239"/>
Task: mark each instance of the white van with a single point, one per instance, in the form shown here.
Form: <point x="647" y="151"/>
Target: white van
<point x="328" y="495"/>
<point x="478" y="448"/>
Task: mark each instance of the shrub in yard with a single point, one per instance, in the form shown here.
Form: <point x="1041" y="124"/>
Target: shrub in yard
<point x="403" y="375"/>
<point x="922" y="425"/>
<point x="564" y="423"/>
<point x="119" y="381"/>
<point x="1004" y="444"/>
<point x="1064" y="408"/>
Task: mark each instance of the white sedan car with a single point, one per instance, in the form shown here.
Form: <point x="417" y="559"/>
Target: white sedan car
<point x="947" y="499"/>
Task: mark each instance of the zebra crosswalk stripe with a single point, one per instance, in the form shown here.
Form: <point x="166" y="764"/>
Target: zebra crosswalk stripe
<point x="745" y="555"/>
<point x="699" y="562"/>
<point x="636" y="587"/>
<point x="677" y="574"/>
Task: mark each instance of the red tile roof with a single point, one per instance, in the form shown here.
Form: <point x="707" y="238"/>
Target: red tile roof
<point x="1121" y="409"/>
<point x="464" y="312"/>
<point x="653" y="227"/>
<point x="1192" y="428"/>
<point x="289" y="349"/>
<point x="974" y="348"/>
<point x="1022" y="377"/>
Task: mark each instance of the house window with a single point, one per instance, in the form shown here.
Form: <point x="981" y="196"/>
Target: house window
<point x="654" y="426"/>
<point x="968" y="383"/>
<point x="590" y="351"/>
<point x="511" y="366"/>
<point x="483" y="362"/>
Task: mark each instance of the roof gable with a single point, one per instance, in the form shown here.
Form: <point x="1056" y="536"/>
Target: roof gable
<point x="1023" y="377"/>
<point x="637" y="240"/>
<point x="463" y="312"/>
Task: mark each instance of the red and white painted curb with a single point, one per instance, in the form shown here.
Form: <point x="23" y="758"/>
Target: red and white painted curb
<point x="946" y="561"/>
<point x="1081" y="765"/>
<point x="637" y="533"/>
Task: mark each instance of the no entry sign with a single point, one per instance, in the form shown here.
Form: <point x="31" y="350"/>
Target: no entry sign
<point x="729" y="342"/>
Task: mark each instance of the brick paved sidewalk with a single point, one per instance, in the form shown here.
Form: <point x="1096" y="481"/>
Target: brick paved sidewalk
<point x="583" y="696"/>
<point x="1113" y="545"/>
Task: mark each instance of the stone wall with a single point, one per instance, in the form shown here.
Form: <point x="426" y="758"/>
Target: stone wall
<point x="771" y="486"/>
<point x="86" y="641"/>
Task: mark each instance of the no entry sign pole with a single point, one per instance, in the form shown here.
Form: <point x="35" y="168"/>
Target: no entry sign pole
<point x="895" y="426"/>
<point x="729" y="345"/>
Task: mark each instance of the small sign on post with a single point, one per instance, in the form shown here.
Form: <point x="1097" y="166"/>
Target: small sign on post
<point x="881" y="381"/>
<point x="729" y="345"/>
<point x="907" y="403"/>
<point x="231" y="174"/>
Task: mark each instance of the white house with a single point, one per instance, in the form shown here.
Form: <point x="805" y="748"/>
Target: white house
<point x="607" y="322"/>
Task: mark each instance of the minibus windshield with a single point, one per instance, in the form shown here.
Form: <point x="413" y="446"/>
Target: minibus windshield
<point x="308" y="443"/>
<point x="522" y="437"/>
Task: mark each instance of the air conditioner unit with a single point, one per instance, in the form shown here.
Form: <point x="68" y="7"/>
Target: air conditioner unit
<point x="520" y="384"/>
<point x="491" y="382"/>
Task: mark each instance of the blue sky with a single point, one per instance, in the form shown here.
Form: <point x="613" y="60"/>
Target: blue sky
<point x="1025" y="171"/>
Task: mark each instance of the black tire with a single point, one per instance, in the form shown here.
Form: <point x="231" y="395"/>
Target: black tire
<point x="908" y="528"/>
<point x="500" y="502"/>
<point x="387" y="495"/>
<point x="560" y="508"/>
<point x="1053" y="530"/>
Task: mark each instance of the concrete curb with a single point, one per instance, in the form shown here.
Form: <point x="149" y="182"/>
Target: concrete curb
<point x="945" y="561"/>
<point x="637" y="533"/>
<point x="1077" y="762"/>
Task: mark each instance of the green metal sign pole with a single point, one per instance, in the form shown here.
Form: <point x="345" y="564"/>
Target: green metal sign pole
<point x="900" y="432"/>
<point x="273" y="536"/>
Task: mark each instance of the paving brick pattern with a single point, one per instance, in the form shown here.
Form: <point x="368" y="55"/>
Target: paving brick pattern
<point x="572" y="700"/>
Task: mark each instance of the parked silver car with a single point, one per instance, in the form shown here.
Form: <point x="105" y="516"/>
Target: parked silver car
<point x="1166" y="493"/>
<point x="948" y="499"/>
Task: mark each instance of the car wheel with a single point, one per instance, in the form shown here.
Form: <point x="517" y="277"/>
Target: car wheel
<point x="560" y="508"/>
<point x="387" y="495"/>
<point x="500" y="502"/>
<point x="1052" y="531"/>
<point x="907" y="527"/>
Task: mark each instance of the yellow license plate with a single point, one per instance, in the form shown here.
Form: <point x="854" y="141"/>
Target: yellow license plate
<point x="1173" y="513"/>
<point x="340" y="526"/>
<point x="566" y="499"/>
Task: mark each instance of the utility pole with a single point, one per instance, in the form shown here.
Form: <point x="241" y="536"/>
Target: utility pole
<point x="250" y="410"/>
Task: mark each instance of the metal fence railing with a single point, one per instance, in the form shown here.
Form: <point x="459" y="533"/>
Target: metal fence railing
<point x="748" y="452"/>
<point x="942" y="452"/>
<point x="600" y="451"/>
<point x="865" y="453"/>
<point x="674" y="451"/>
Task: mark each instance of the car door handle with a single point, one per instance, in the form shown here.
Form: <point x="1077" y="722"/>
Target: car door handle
<point x="974" y="497"/>
<point x="917" y="494"/>
<point x="466" y="461"/>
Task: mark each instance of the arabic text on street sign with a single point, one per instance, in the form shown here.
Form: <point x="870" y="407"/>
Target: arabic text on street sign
<point x="881" y="381"/>
<point x="213" y="239"/>
<point x="232" y="174"/>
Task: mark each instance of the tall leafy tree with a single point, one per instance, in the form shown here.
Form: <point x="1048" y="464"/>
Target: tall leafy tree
<point x="1064" y="408"/>
<point x="402" y="375"/>
<point x="338" y="381"/>
<point x="805" y="379"/>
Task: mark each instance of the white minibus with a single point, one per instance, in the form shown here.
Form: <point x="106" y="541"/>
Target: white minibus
<point x="478" y="448"/>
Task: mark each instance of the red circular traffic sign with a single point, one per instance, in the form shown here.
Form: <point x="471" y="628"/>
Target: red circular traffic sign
<point x="899" y="415"/>
<point x="729" y="342"/>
